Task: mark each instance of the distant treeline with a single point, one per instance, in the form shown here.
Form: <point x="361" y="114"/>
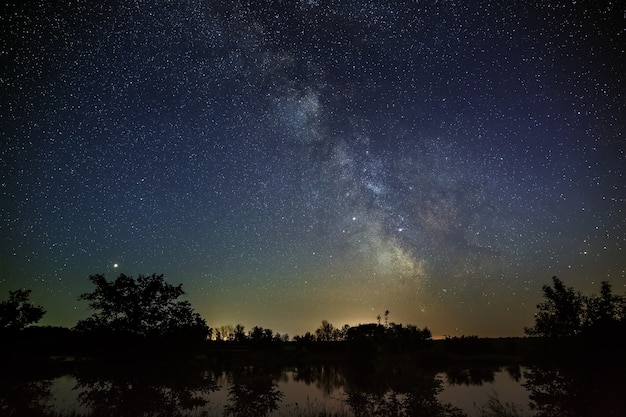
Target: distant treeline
<point x="145" y="316"/>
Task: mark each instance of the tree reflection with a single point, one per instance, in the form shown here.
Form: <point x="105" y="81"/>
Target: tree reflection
<point x="397" y="391"/>
<point x="399" y="404"/>
<point x="327" y="378"/>
<point x="515" y="372"/>
<point x="24" y="397"/>
<point x="576" y="391"/>
<point x="253" y="392"/>
<point x="472" y="376"/>
<point x="26" y="387"/>
<point x="143" y="391"/>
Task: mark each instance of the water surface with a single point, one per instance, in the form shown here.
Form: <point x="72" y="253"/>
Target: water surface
<point x="367" y="389"/>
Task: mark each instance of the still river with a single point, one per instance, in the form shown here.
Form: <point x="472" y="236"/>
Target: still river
<point x="312" y="390"/>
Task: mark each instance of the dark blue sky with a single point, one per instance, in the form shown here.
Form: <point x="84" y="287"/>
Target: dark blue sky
<point x="293" y="161"/>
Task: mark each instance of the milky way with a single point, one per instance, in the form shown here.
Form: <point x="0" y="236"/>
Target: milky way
<point x="290" y="162"/>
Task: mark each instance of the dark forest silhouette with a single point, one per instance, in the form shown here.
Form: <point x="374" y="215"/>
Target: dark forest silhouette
<point x="17" y="312"/>
<point x="566" y="312"/>
<point x="570" y="324"/>
<point x="130" y="313"/>
<point x="146" y="315"/>
<point x="146" y="352"/>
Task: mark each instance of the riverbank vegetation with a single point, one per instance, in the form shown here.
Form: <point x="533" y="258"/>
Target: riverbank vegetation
<point x="144" y="317"/>
<point x="145" y="350"/>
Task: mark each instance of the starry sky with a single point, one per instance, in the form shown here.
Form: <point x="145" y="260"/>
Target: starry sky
<point x="294" y="161"/>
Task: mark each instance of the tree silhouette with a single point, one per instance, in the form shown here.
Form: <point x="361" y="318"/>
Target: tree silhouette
<point x="240" y="335"/>
<point x="561" y="314"/>
<point x="260" y="337"/>
<point x="224" y="332"/>
<point x="17" y="312"/>
<point x="391" y="338"/>
<point x="326" y="332"/>
<point x="565" y="312"/>
<point x="147" y="306"/>
<point x="605" y="309"/>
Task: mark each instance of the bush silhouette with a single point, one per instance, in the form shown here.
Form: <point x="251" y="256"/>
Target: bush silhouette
<point x="140" y="309"/>
<point x="17" y="312"/>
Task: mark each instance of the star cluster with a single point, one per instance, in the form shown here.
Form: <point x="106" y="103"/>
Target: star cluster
<point x="290" y="162"/>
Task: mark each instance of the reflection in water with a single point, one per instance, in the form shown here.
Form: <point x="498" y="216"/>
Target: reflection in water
<point x="26" y="388"/>
<point x="326" y="378"/>
<point x="487" y="391"/>
<point x="395" y="391"/>
<point x="360" y="389"/>
<point x="143" y="391"/>
<point x="478" y="376"/>
<point x="581" y="391"/>
<point x="253" y="392"/>
<point x="24" y="397"/>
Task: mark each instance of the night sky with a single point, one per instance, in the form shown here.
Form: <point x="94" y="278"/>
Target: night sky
<point x="294" y="161"/>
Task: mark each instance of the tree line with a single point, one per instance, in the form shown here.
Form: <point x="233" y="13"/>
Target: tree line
<point x="147" y="310"/>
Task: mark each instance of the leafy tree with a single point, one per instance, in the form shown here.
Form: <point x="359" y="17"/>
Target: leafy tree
<point x="388" y="338"/>
<point x="407" y="337"/>
<point x="369" y="331"/>
<point x="605" y="317"/>
<point x="17" y="312"/>
<point x="326" y="332"/>
<point x="146" y="306"/>
<point x="329" y="333"/>
<point x="560" y="314"/>
<point x="240" y="334"/>
<point x="606" y="308"/>
<point x="342" y="334"/>
<point x="259" y="335"/>
<point x="280" y="338"/>
<point x="224" y="333"/>
<point x="565" y="312"/>
<point x="306" y="341"/>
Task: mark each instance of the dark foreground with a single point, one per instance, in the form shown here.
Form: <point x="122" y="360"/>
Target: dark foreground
<point x="242" y="380"/>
